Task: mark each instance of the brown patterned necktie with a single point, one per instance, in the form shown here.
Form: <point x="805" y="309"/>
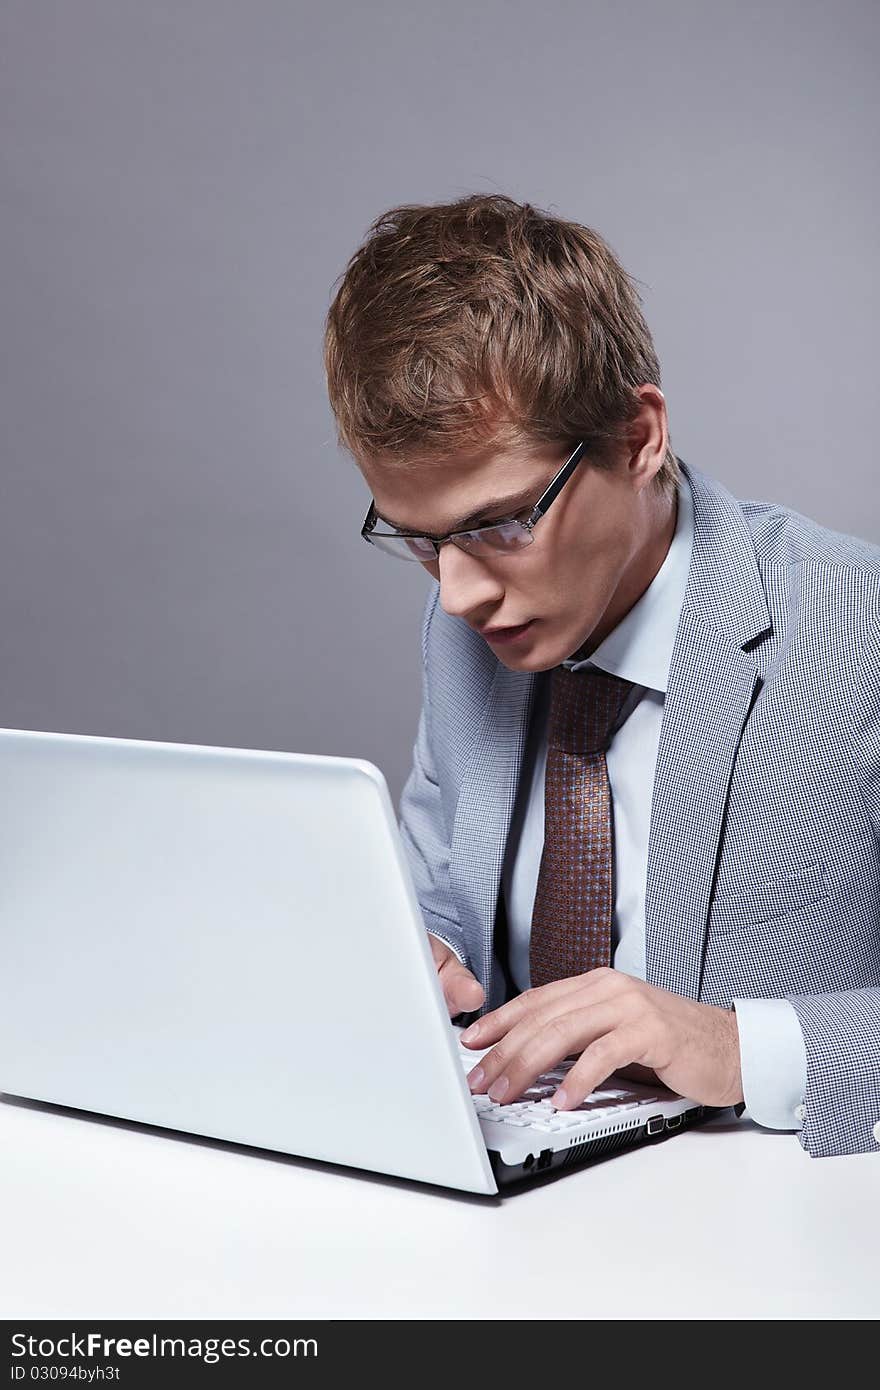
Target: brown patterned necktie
<point x="571" y="918"/>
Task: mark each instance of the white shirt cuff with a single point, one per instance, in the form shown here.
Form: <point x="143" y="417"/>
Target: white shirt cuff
<point x="773" y="1062"/>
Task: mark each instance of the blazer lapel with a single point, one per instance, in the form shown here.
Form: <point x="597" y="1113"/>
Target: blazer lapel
<point x="712" y="686"/>
<point x="711" y="690"/>
<point x="484" y="811"/>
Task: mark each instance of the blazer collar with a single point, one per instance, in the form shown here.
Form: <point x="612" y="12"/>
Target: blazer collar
<point x="724" y="587"/>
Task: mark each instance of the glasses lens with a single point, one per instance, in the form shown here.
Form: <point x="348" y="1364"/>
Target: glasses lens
<point x="405" y="547"/>
<point x="506" y="536"/>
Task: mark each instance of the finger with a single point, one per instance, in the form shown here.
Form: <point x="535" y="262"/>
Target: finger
<point x="493" y="1026"/>
<point x="461" y="990"/>
<point x="439" y="950"/>
<point x="607" y="1053"/>
<point x="513" y="1064"/>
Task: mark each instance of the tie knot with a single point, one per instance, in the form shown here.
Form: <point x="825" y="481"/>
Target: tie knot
<point x="584" y="706"/>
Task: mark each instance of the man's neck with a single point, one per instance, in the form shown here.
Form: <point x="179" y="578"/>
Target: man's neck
<point x="633" y="586"/>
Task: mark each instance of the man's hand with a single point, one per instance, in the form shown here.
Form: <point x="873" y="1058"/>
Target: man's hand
<point x="612" y="1020"/>
<point x="461" y="990"/>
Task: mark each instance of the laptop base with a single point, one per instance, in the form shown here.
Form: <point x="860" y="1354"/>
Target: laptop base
<point x="550" y="1161"/>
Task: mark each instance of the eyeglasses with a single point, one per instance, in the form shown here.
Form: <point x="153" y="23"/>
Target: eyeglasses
<point x="500" y="537"/>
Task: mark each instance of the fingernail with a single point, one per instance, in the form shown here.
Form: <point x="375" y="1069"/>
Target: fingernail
<point x="560" y="1099"/>
<point x="476" y="1078"/>
<point x="471" y="1034"/>
<point x="498" y="1089"/>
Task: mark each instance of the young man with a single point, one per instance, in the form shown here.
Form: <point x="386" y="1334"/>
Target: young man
<point x="644" y="809"/>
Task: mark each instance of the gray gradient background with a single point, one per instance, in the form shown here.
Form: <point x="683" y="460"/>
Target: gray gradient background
<point x="183" y="182"/>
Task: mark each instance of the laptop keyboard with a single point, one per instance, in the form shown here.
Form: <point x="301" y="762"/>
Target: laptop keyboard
<point x="534" y="1111"/>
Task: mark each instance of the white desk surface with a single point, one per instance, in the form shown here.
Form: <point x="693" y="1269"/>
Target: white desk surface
<point x="106" y="1219"/>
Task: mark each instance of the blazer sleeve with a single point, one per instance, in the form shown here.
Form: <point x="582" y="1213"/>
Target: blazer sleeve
<point x="423" y="824"/>
<point x="842" y="1030"/>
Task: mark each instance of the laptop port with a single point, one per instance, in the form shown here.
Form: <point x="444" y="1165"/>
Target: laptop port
<point x="528" y="1161"/>
<point x="545" y="1158"/>
<point x="674" y="1122"/>
<point x="655" y="1125"/>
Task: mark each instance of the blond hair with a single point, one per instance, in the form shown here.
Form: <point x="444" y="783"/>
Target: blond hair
<point x="485" y="322"/>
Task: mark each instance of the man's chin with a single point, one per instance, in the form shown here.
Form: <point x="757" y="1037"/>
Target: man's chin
<point x="532" y="664"/>
<point x="539" y="655"/>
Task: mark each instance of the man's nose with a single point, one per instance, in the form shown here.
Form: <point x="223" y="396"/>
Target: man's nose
<point x="466" y="582"/>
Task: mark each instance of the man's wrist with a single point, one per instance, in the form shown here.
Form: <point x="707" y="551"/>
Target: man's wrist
<point x="737" y="1096"/>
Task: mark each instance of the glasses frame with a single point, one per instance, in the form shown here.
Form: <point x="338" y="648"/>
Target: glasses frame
<point x="541" y="508"/>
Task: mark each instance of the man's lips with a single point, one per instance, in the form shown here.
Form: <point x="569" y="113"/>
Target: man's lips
<point x="502" y="632"/>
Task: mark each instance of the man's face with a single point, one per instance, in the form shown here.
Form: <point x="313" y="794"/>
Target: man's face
<point x="592" y="555"/>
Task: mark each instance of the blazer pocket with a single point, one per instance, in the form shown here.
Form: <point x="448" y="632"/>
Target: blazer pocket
<point x="766" y="901"/>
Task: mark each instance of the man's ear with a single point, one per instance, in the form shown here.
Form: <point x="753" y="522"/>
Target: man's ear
<point x="648" y="438"/>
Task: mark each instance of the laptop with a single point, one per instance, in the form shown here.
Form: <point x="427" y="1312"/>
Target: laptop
<point x="227" y="942"/>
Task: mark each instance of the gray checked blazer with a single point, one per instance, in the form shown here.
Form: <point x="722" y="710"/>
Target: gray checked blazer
<point x="763" y="876"/>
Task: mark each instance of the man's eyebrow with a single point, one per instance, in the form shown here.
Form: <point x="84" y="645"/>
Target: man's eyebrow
<point x="503" y="506"/>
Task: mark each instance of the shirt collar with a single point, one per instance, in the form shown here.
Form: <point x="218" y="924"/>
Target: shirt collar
<point x="639" y="649"/>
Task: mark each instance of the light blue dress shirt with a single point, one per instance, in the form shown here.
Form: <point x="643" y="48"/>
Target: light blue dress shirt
<point x="639" y="649"/>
